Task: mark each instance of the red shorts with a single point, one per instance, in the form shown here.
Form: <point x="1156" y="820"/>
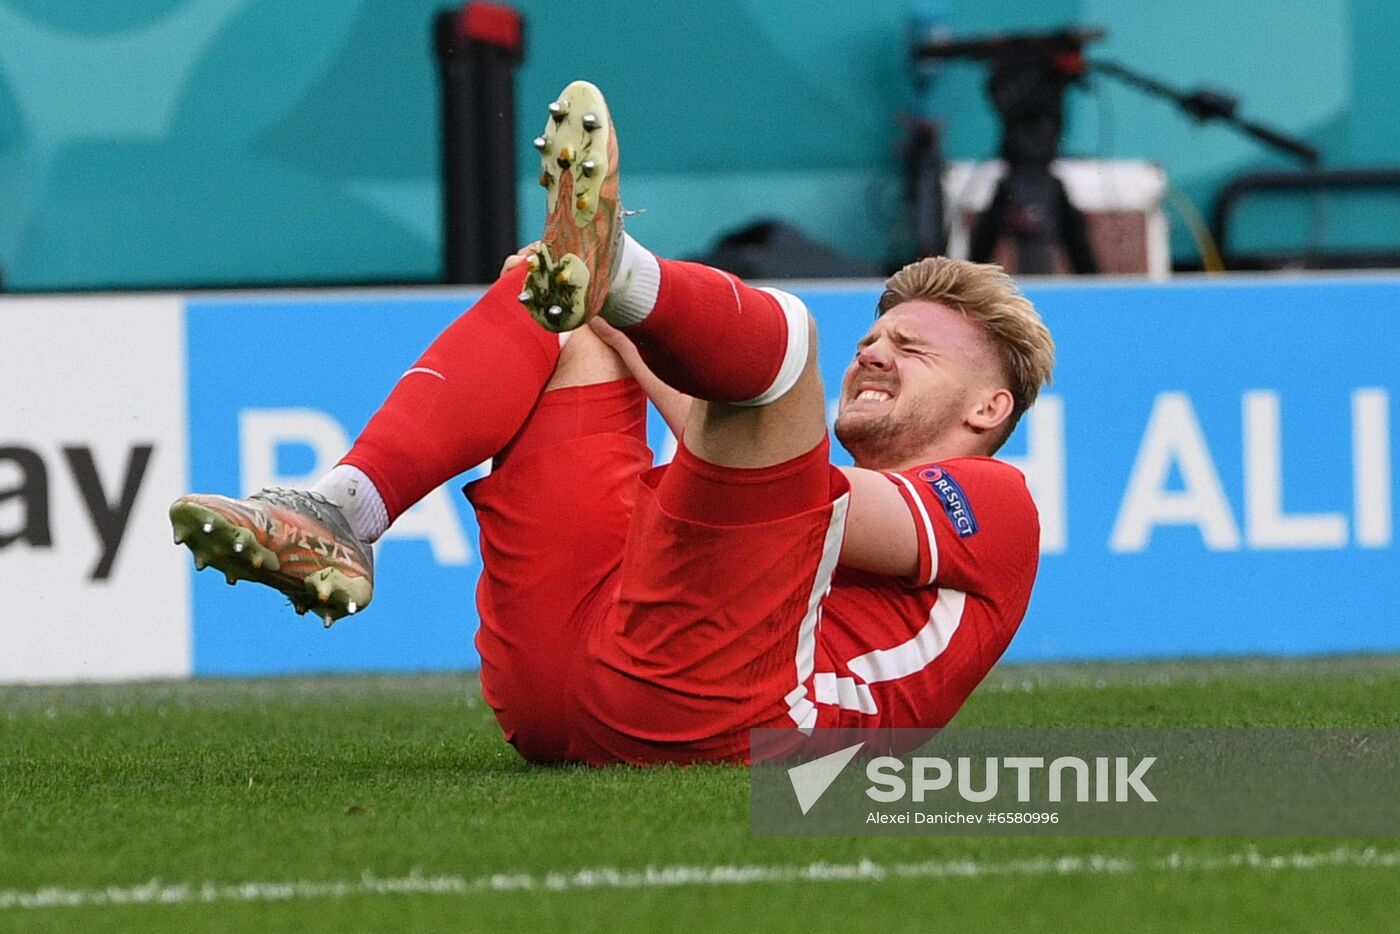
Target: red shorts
<point x="554" y="519"/>
<point x="712" y="633"/>
<point x="614" y="631"/>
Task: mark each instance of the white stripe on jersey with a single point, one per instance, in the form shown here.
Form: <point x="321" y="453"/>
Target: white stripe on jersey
<point x="846" y="693"/>
<point x="918" y="653"/>
<point x="928" y="526"/>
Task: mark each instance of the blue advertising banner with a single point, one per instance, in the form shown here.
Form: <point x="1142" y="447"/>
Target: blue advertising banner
<point x="1213" y="467"/>
<point x="278" y="391"/>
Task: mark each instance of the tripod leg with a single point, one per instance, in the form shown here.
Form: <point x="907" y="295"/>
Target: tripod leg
<point x="989" y="226"/>
<point x="1074" y="234"/>
<point x="925" y="178"/>
<point x="1030" y="217"/>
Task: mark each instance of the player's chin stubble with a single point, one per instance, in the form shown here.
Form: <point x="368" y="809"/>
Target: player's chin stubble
<point x="871" y="439"/>
<point x="896" y="438"/>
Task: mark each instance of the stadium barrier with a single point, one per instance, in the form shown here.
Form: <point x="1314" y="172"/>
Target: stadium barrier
<point x="1213" y="468"/>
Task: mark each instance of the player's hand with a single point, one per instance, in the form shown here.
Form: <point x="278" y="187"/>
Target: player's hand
<point x="519" y="256"/>
<point x="615" y="339"/>
<point x="673" y="405"/>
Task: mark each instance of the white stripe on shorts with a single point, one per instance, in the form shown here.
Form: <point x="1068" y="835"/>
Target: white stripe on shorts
<point x="846" y="693"/>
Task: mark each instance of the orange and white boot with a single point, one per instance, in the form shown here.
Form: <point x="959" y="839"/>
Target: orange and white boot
<point x="294" y="541"/>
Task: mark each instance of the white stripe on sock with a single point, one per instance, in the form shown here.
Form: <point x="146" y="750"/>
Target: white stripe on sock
<point x="423" y="369"/>
<point x="794" y="355"/>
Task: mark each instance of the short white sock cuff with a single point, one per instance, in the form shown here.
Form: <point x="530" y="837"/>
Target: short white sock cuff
<point x="350" y="489"/>
<point x="794" y="356"/>
<point x="635" y="285"/>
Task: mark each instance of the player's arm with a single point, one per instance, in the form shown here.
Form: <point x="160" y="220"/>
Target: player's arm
<point x="966" y="523"/>
<point x="881" y="535"/>
<point x="674" y="406"/>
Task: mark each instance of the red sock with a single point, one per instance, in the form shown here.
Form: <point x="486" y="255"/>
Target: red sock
<point x="711" y="336"/>
<point x="463" y="400"/>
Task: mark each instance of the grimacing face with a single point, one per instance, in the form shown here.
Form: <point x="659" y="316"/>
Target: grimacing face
<point x="918" y="375"/>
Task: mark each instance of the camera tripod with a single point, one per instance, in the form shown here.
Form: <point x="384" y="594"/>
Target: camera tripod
<point x="1029" y="75"/>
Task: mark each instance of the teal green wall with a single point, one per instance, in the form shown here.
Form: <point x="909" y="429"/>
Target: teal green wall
<point x="179" y="141"/>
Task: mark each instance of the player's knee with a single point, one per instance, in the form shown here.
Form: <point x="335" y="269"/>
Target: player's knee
<point x="585" y="359"/>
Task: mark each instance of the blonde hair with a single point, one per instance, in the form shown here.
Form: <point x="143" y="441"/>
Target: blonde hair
<point x="987" y="295"/>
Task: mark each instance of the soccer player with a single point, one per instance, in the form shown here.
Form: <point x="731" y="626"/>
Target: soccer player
<point x="640" y="614"/>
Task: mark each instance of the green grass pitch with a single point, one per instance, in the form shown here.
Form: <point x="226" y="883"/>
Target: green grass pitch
<point x="391" y="803"/>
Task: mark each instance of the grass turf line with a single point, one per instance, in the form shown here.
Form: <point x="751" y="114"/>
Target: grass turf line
<point x="325" y="778"/>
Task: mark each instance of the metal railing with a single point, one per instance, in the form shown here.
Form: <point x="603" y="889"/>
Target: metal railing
<point x="1309" y="255"/>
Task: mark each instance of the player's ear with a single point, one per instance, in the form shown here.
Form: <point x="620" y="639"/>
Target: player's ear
<point x="991" y="410"/>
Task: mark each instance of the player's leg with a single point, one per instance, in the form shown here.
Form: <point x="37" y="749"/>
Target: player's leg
<point x="457" y="406"/>
<point x="730" y="555"/>
<point x="553" y="516"/>
<point x="752" y="461"/>
<point x="732" y="547"/>
<point x="748" y="355"/>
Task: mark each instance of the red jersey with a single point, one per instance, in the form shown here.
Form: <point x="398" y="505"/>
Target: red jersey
<point x="906" y="653"/>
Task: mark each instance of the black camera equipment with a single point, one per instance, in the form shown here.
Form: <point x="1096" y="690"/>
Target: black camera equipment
<point x="1029" y="75"/>
<point x="1204" y="104"/>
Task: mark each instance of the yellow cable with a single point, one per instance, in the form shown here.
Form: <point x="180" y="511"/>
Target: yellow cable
<point x="1200" y="232"/>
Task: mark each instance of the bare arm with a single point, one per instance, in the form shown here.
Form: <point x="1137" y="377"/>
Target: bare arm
<point x="674" y="406"/>
<point x="880" y="533"/>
